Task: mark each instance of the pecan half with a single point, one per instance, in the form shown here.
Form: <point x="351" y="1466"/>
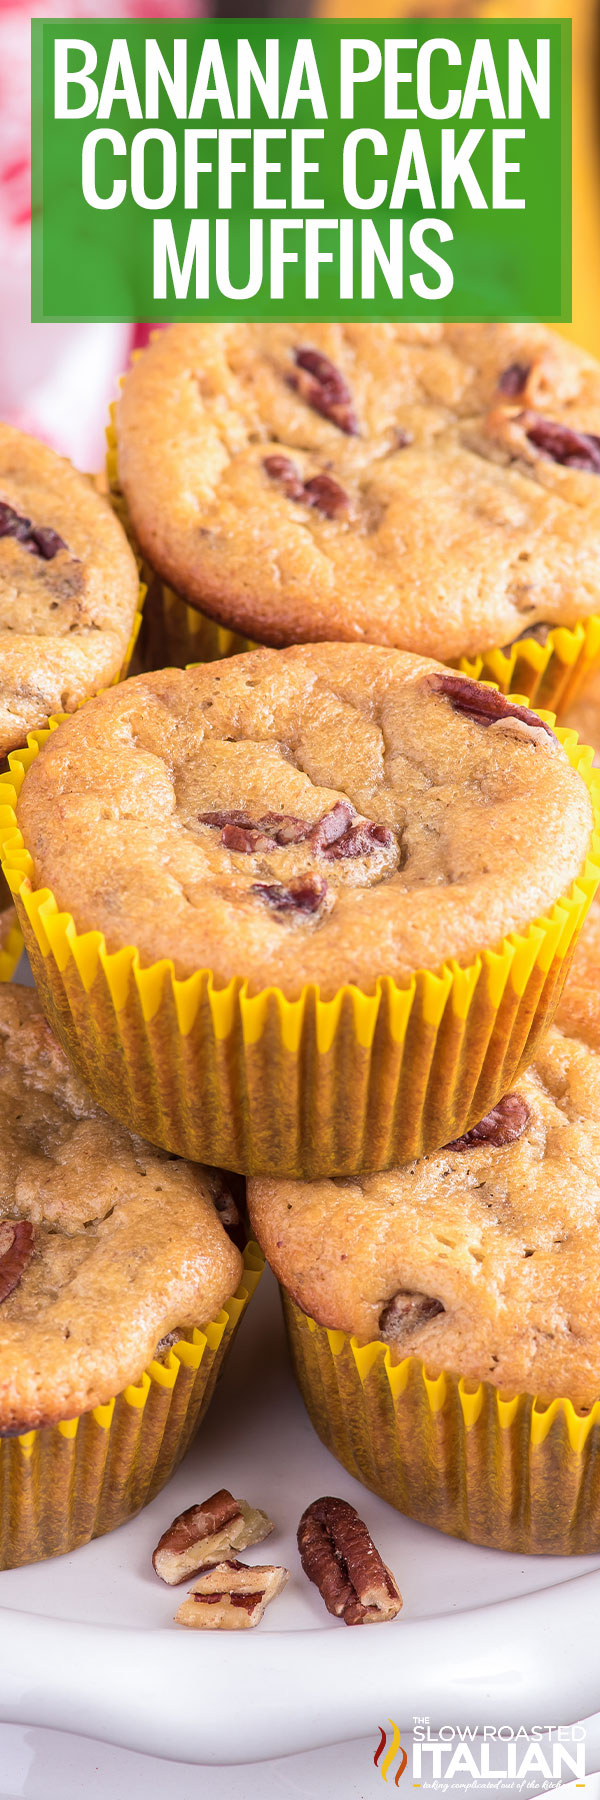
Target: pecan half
<point x="204" y="1534"/>
<point x="338" y="1554"/>
<point x="485" y="705"/>
<point x="560" y="444"/>
<point x="503" y="1125"/>
<point x="305" y="894"/>
<point x="406" y="1312"/>
<point x="41" y="540"/>
<point x="320" y="491"/>
<point x="513" y="380"/>
<point x="16" y="1250"/>
<point x="325" y="389"/>
<point x="231" y="1596"/>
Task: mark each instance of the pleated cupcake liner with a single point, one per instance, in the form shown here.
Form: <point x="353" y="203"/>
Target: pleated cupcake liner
<point x="261" y="1084"/>
<point x="504" y="1471"/>
<point x="547" y="674"/>
<point x="11" y="936"/>
<point x="63" y="1484"/>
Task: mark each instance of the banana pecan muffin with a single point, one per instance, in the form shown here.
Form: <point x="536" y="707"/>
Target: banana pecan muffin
<point x="68" y="588"/>
<point x="484" y="1259"/>
<point x="106" y="1244"/>
<point x="432" y="487"/>
<point x="324" y="814"/>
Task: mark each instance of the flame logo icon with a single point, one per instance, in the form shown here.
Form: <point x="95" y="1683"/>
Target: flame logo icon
<point x="390" y="1753"/>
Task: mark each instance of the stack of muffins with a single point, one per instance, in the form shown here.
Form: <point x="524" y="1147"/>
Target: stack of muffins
<point x="306" y="911"/>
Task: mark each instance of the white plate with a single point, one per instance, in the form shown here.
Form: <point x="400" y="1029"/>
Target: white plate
<point x="87" y="1642"/>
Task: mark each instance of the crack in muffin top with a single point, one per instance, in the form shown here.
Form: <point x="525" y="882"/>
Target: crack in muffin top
<point x="431" y="487"/>
<point x="484" y="1259"/>
<point x="106" y="1243"/>
<point x="327" y="814"/>
<point x="68" y="588"/>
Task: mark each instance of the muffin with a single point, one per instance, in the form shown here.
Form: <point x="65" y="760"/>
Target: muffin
<point x="68" y="597"/>
<point x="68" y="588"/>
<point x="303" y="911"/>
<point x="443" y="1316"/>
<point x="433" y="488"/>
<point x="108" y="1247"/>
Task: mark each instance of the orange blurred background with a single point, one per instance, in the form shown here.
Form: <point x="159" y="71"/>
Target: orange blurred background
<point x="585" y="16"/>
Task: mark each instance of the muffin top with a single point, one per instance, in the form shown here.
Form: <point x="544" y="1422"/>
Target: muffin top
<point x="68" y="588"/>
<point x="327" y="813"/>
<point x="431" y="487"/>
<point x="483" y="1260"/>
<point x="106" y="1244"/>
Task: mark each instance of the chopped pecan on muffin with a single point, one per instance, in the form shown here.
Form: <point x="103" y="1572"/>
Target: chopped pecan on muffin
<point x="325" y="814"/>
<point x="432" y="487"/>
<point x="106" y="1243"/>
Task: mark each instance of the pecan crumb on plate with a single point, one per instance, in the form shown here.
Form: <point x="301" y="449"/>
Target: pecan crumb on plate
<point x="204" y="1534"/>
<point x="231" y="1596"/>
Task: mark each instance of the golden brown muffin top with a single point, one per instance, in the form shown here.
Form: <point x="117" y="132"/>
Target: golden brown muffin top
<point x="68" y="588"/>
<point x="433" y="487"/>
<point x="483" y="1260"/>
<point x="328" y="813"/>
<point x="118" y="1242"/>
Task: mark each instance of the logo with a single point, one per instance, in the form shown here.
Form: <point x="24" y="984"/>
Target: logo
<point x="526" y="1759"/>
<point x="390" y="1753"/>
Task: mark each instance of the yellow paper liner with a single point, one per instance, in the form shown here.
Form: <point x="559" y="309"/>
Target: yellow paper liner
<point x="265" y="1085"/>
<point x="11" y="936"/>
<point x="500" y="1470"/>
<point x="548" y="675"/>
<point x="67" y="1483"/>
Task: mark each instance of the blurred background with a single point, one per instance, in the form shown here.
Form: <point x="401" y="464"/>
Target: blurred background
<point x="57" y="380"/>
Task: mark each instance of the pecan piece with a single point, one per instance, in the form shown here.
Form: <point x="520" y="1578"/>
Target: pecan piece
<point x="406" y="1312"/>
<point x="338" y="1554"/>
<point x="486" y="706"/>
<point x="326" y="494"/>
<point x="513" y="380"/>
<point x="561" y="444"/>
<point x="337" y="835"/>
<point x="16" y="1250"/>
<point x="240" y="832"/>
<point x="325" y="389"/>
<point x="282" y="469"/>
<point x="305" y="894"/>
<point x="41" y="540"/>
<point x="204" y="1534"/>
<point x="231" y="1596"/>
<point x="332" y="825"/>
<point x="320" y="490"/>
<point x="359" y="840"/>
<point x="503" y="1125"/>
